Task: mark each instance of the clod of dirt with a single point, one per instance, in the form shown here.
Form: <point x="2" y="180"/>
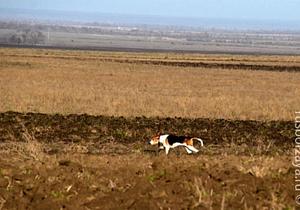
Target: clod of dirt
<point x="64" y="162"/>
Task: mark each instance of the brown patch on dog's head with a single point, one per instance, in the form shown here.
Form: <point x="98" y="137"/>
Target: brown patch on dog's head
<point x="154" y="140"/>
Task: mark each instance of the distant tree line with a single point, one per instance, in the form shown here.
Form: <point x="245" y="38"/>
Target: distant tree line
<point x="27" y="36"/>
<point x="32" y="33"/>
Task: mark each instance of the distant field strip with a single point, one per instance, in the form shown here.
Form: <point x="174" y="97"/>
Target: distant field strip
<point x="212" y="65"/>
<point x="149" y="84"/>
<point x="210" y="62"/>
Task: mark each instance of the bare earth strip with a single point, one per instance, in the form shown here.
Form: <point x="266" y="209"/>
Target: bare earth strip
<point x="143" y="181"/>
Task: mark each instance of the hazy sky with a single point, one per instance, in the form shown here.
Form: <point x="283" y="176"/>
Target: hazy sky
<point x="250" y="9"/>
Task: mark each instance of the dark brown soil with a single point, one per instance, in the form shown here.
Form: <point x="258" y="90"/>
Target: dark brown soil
<point x="99" y="162"/>
<point x="75" y="128"/>
<point x="232" y="66"/>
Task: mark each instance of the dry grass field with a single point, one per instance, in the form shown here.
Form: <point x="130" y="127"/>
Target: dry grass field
<point x="75" y="126"/>
<point x="133" y="84"/>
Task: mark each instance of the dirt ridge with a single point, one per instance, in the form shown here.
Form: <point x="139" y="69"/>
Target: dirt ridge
<point x="240" y="66"/>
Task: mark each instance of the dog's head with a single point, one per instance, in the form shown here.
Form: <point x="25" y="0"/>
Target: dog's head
<point x="154" y="140"/>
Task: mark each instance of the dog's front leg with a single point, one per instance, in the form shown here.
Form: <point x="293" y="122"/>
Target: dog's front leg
<point x="167" y="149"/>
<point x="160" y="147"/>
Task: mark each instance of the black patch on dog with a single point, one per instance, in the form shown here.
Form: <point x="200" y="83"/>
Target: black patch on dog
<point x="176" y="139"/>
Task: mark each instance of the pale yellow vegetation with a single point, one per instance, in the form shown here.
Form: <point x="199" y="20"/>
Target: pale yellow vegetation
<point x="57" y="81"/>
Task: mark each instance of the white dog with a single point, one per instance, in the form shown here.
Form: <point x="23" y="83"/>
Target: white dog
<point x="171" y="141"/>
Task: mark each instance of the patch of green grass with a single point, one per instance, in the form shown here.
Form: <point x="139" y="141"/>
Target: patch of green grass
<point x="156" y="176"/>
<point x="120" y="134"/>
<point x="288" y="208"/>
<point x="27" y="171"/>
<point x="57" y="194"/>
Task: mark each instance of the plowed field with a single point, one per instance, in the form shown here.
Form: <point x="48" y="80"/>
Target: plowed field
<point x="99" y="162"/>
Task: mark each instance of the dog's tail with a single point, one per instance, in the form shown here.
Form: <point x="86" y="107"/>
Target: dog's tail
<point x="200" y="140"/>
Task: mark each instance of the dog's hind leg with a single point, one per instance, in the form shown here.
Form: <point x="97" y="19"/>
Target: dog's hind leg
<point x="193" y="149"/>
<point x="188" y="150"/>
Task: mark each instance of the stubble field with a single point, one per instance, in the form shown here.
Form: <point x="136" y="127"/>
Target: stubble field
<point x="88" y="150"/>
